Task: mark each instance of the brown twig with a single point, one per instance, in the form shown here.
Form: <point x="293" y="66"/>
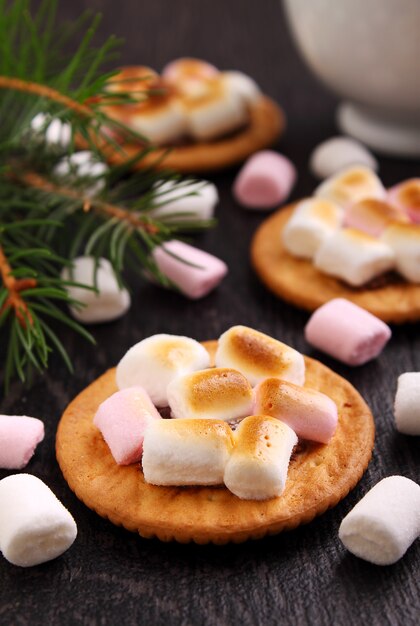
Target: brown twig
<point x="14" y="300"/>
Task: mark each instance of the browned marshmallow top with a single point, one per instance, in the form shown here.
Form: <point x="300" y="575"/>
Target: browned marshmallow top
<point x="217" y="388"/>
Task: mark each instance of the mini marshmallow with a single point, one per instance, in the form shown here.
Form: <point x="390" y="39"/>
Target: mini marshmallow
<point x="265" y="180"/>
<point x="57" y="133"/>
<point x="407" y="404"/>
<point x="351" y="185"/>
<point x="122" y="419"/>
<point x="19" y="436"/>
<point x="193" y="271"/>
<point x="347" y="332"/>
<point x="404" y="240"/>
<point x="257" y="467"/>
<point x="186" y="452"/>
<point x="83" y="167"/>
<point x="385" y="522"/>
<point x="154" y="362"/>
<point x="188" y="69"/>
<point x="34" y="526"/>
<point x="217" y="393"/>
<point x="185" y="202"/>
<point x="337" y="153"/>
<point x="313" y="220"/>
<point x="243" y="85"/>
<point x="108" y="303"/>
<point x="258" y="356"/>
<point x="372" y="216"/>
<point x="354" y="257"/>
<point x="406" y="197"/>
<point x="310" y="413"/>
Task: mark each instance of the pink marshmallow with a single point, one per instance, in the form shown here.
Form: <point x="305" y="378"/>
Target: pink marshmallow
<point x="310" y="413"/>
<point x="19" y="436"/>
<point x="122" y="419"/>
<point x="406" y="197"/>
<point x="372" y="216"/>
<point x="265" y="180"/>
<point x="347" y="332"/>
<point x="201" y="273"/>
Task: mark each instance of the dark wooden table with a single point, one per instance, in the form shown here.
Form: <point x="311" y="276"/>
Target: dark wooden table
<point x="111" y="576"/>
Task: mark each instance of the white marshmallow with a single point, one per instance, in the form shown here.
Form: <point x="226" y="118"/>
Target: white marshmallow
<point x="407" y="404"/>
<point x="57" y="133"/>
<point x="404" y="239"/>
<point x="334" y="154"/>
<point x="354" y="256"/>
<point x="216" y="393"/>
<point x="351" y="185"/>
<point x="156" y="361"/>
<point x="34" y="526"/>
<point x="243" y="85"/>
<point x="313" y="220"/>
<point x="386" y="521"/>
<point x="83" y="166"/>
<point x="186" y="452"/>
<point x="184" y="202"/>
<point x="257" y="468"/>
<point x="108" y="304"/>
<point x="258" y="356"/>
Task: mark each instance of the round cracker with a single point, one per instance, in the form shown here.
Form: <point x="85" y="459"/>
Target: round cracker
<point x="297" y="280"/>
<point x="266" y="124"/>
<point x="319" y="475"/>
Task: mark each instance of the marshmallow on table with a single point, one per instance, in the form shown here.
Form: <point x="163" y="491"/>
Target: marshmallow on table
<point x="189" y="201"/>
<point x="57" y="133"/>
<point x="122" y="419"/>
<point x="385" y="522"/>
<point x="258" y="356"/>
<point x="83" y="166"/>
<point x="310" y="413"/>
<point x="186" y="452"/>
<point x="108" y="303"/>
<point x="265" y="180"/>
<point x="19" y="436"/>
<point x="372" y="216"/>
<point x="406" y="197"/>
<point x="347" y="332"/>
<point x="313" y="220"/>
<point x="351" y="185"/>
<point x="404" y="240"/>
<point x="257" y="467"/>
<point x="217" y="393"/>
<point x="354" y="256"/>
<point x="154" y="362"/>
<point x="334" y="154"/>
<point x="34" y="526"/>
<point x="193" y="271"/>
<point x="407" y="404"/>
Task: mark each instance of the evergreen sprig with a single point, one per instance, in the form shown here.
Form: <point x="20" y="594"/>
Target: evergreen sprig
<point x="46" y="222"/>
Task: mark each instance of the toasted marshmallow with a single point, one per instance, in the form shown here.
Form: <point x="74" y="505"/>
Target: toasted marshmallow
<point x="258" y="356"/>
<point x="373" y="216"/>
<point x="186" y="452"/>
<point x="310" y="413"/>
<point x="354" y="256"/>
<point x="156" y="361"/>
<point x="406" y="197"/>
<point x="351" y="185"/>
<point x="257" y="467"/>
<point x="243" y="85"/>
<point x="85" y="169"/>
<point x="184" y="201"/>
<point x="57" y="133"/>
<point x="108" y="303"/>
<point x="218" y="393"/>
<point x="334" y="154"/>
<point x="404" y="239"/>
<point x="313" y="220"/>
<point x="188" y="69"/>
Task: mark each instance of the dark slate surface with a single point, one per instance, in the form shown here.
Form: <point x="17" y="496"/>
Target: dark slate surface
<point x="306" y="576"/>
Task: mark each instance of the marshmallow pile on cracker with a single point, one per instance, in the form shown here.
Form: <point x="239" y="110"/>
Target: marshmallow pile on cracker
<point x="191" y="99"/>
<point x="366" y="231"/>
<point x="235" y="424"/>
